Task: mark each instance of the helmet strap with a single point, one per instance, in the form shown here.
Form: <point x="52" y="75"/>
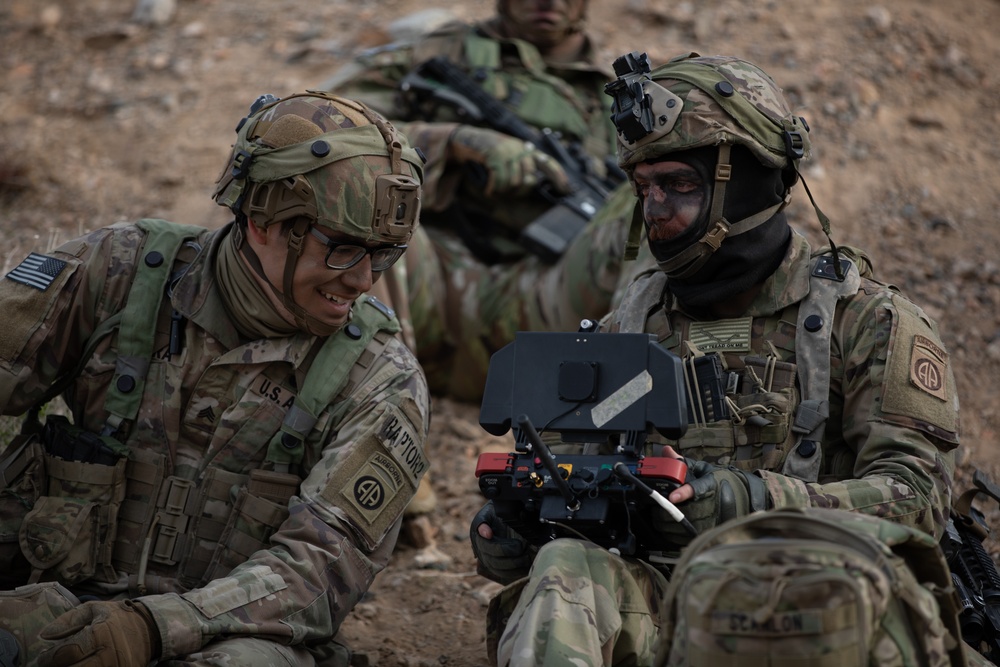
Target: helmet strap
<point x="824" y="223"/>
<point x="296" y="242"/>
<point x="687" y="262"/>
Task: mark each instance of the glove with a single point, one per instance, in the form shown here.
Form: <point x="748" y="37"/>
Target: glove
<point x="101" y="634"/>
<point x="504" y="558"/>
<point x="720" y="494"/>
<point x="512" y="166"/>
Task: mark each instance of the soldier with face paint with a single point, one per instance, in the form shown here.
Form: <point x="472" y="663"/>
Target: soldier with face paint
<point x="246" y="428"/>
<point x="838" y="389"/>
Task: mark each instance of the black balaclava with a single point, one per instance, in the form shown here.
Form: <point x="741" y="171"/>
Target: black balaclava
<point x="743" y="260"/>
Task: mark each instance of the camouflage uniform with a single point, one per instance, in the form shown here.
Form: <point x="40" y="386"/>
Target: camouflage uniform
<point x="882" y="455"/>
<point x="887" y="447"/>
<point x="234" y="558"/>
<point x="463" y="308"/>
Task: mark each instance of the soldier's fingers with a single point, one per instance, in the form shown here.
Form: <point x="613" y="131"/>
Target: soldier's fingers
<point x="553" y="172"/>
<point x="681" y="494"/>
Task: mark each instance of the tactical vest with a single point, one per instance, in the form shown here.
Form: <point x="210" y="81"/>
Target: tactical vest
<point x="196" y="530"/>
<point x="776" y="423"/>
<point x="539" y="98"/>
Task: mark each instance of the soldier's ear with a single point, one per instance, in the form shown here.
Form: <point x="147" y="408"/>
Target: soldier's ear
<point x="255" y="234"/>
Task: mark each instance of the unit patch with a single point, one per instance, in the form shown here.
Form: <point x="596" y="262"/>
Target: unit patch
<point x="38" y="271"/>
<point x="928" y="367"/>
<point x="376" y="480"/>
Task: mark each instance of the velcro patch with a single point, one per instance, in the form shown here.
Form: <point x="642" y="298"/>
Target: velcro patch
<point x="38" y="271"/>
<point x="376" y="480"/>
<point x="919" y="385"/>
<point x="787" y="624"/>
<point x="928" y="367"/>
<point x="722" y="335"/>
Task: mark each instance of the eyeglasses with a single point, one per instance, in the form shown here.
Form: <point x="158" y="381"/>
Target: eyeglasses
<point x="345" y="255"/>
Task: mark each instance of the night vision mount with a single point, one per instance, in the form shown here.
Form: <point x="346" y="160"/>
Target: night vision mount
<point x="632" y="109"/>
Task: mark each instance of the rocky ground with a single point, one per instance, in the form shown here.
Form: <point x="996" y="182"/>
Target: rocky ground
<point x="109" y="114"/>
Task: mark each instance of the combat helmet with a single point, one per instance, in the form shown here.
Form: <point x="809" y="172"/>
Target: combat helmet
<point x="316" y="158"/>
<point x="696" y="101"/>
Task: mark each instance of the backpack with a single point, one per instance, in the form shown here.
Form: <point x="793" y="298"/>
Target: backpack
<point x="811" y="587"/>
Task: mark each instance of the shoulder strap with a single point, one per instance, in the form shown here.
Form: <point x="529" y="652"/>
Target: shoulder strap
<point x="481" y="51"/>
<point x="640" y="297"/>
<point x="138" y="318"/>
<point x="328" y="374"/>
<point x="813" y="331"/>
<point x="137" y="325"/>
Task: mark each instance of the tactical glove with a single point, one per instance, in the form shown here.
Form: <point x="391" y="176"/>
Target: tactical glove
<point x="720" y="494"/>
<point x="504" y="558"/>
<point x="511" y="166"/>
<point x="101" y="634"/>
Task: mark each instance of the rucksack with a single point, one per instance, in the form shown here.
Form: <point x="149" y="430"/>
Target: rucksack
<point x="811" y="587"/>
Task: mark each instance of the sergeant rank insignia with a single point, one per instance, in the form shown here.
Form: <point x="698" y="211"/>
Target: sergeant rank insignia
<point x="37" y="271"/>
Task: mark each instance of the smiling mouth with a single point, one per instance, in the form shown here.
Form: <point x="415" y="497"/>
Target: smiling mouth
<point x="334" y="299"/>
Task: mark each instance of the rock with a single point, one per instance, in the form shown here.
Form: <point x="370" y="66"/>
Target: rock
<point x="432" y="558"/>
<point x="880" y="19"/>
<point x="154" y="12"/>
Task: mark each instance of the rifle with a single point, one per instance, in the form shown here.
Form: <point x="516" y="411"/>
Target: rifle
<point x="439" y="81"/>
<point x="973" y="571"/>
<point x="606" y="390"/>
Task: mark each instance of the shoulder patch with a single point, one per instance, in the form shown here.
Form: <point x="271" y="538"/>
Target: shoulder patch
<point x="918" y="389"/>
<point x="38" y="271"/>
<point x="928" y="367"/>
<point x="375" y="481"/>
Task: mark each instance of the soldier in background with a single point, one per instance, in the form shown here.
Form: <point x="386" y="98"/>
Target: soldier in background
<point x="468" y="281"/>
<point x="839" y="388"/>
<point x="246" y="428"/>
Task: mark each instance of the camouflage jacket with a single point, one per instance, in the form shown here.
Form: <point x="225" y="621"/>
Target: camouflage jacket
<point x="566" y="98"/>
<point x="893" y="410"/>
<point x="206" y="417"/>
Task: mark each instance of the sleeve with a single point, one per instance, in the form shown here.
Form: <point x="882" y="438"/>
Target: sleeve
<point x="52" y="302"/>
<point x="894" y="421"/>
<point x="340" y="532"/>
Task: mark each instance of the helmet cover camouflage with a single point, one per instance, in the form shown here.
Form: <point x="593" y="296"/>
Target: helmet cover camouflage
<point x="710" y="100"/>
<point x="326" y="158"/>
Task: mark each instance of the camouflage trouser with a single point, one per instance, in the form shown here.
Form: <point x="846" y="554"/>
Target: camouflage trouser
<point x="580" y="605"/>
<point x="461" y="310"/>
<point x="25" y="610"/>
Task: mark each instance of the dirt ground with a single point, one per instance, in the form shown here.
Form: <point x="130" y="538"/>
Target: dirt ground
<point x="103" y="118"/>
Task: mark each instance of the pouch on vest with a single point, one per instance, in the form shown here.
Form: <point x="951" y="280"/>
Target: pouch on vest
<point x="22" y="470"/>
<point x="812" y="588"/>
<point x="70" y="531"/>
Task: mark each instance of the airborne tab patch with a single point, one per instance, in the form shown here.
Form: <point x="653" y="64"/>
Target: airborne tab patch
<point x="928" y="367"/>
<point x="38" y="271"/>
<point x="373" y="483"/>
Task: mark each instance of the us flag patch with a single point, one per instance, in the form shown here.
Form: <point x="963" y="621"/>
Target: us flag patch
<point x="37" y="271"/>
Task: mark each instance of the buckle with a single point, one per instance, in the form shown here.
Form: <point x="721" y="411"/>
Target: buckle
<point x="241" y="165"/>
<point x="794" y="144"/>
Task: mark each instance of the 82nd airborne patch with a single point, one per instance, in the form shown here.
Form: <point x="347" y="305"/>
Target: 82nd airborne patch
<point x="928" y="367"/>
